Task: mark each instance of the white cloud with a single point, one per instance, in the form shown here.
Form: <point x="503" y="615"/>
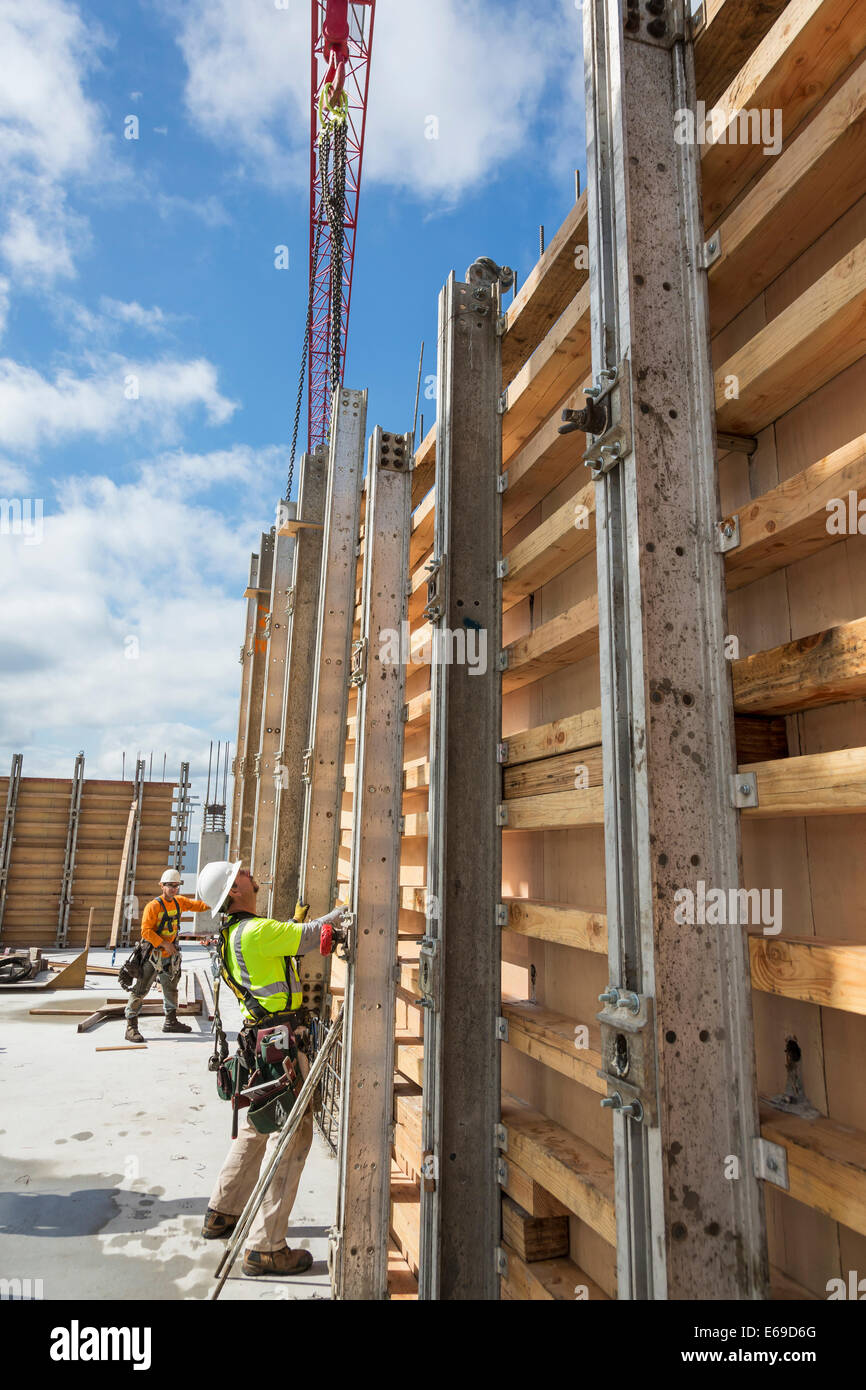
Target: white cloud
<point x="482" y="71"/>
<point x="4" y="303"/>
<point x="151" y="561"/>
<point x="35" y="410"/>
<point x="51" y="133"/>
<point x="150" y="320"/>
<point x="14" y="480"/>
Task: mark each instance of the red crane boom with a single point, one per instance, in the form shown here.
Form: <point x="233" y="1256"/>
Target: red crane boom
<point x="342" y="36"/>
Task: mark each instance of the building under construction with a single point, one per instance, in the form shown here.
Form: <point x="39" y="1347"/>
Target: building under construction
<point x="566" y="701"/>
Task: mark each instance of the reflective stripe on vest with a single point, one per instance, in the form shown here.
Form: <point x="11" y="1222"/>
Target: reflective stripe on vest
<point x="273" y="996"/>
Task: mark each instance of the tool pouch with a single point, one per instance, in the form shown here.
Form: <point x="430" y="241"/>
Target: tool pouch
<point x="278" y="1062"/>
<point x="133" y="967"/>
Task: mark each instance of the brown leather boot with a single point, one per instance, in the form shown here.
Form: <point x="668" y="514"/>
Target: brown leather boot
<point x="132" y="1033"/>
<point x="173" y="1025"/>
<point x="282" y="1261"/>
<point x="217" y="1225"/>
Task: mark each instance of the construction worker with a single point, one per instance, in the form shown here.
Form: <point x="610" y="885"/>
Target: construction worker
<point x="160" y="924"/>
<point x="258" y="956"/>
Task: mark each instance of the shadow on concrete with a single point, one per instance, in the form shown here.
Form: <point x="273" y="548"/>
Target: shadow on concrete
<point x="87" y="1211"/>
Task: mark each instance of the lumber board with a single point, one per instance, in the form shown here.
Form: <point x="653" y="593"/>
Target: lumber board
<point x="807" y="49"/>
<point x="821" y="669"/>
<point x="559" y="364"/>
<point x="557" y="810"/>
<point x="549" y="1038"/>
<point x="566" y="536"/>
<point x="798" y="351"/>
<point x="546" y="292"/>
<point x="559" y="736"/>
<point x="421" y="536"/>
<point x="731" y="29"/>
<point x="546" y="1280"/>
<point x="569" y="637"/>
<point x="570" y="1168"/>
<point x="816" y="784"/>
<point x="825" y="971"/>
<point x="799" y="195"/>
<point x="826" y="1164"/>
<point x="760" y="738"/>
<point x="405" y="1216"/>
<point x="558" y="923"/>
<point x="402" y="1284"/>
<point x="789" y="523"/>
<point x="424" y="470"/>
<point x="543" y="461"/>
<point x="562" y="772"/>
<point x="418" y="712"/>
<point x="528" y="1193"/>
<point x="533" y="1237"/>
<point x="116" y="1011"/>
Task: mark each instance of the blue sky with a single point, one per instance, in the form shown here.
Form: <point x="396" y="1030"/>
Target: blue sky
<point x="151" y="262"/>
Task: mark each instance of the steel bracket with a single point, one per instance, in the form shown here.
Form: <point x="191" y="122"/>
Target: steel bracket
<point x="392" y="451"/>
<point x="434" y="609"/>
<point x="501" y="1261"/>
<point x="770" y="1162"/>
<point x="501" y="1172"/>
<point x="502" y="814"/>
<point x="429" y="1171"/>
<point x="502" y="1029"/>
<point x="502" y="660"/>
<point x="744" y="789"/>
<point x="358" y="673"/>
<point x="728" y="533"/>
<point x="712" y="250"/>
<point x="628" y="1052"/>
<point x="501" y="568"/>
<point x="502" y="403"/>
<point x="501" y="325"/>
<point x="609" y="449"/>
<point x="502" y="752"/>
<point x="257" y="764"/>
<point x="501" y="916"/>
<point x="307" y="766"/>
<point x="429" y="959"/>
<point x="502" y="482"/>
<point x="290" y="601"/>
<point x="500" y="1137"/>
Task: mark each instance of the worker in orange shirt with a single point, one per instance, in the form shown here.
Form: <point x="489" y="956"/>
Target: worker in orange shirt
<point x="160" y="924"/>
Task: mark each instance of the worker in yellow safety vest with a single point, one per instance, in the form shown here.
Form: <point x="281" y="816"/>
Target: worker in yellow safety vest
<point x="160" y="926"/>
<point x="259" y="964"/>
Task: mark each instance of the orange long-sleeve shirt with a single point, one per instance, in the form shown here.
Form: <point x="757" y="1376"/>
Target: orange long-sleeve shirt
<point x="153" y="914"/>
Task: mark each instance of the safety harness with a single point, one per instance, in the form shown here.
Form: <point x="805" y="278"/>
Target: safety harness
<point x="245" y="996"/>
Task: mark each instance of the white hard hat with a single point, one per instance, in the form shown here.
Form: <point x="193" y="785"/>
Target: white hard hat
<point x="170" y="876"/>
<point x="215" y="881"/>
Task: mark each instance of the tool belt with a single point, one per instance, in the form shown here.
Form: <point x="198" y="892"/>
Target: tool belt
<point x="133" y="967"/>
<point x="266" y="1073"/>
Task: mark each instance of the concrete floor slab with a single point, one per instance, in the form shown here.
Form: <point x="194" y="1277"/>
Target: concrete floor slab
<point x="107" y="1159"/>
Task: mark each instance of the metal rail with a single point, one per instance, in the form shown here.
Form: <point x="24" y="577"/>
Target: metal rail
<point x="12" y="791"/>
<point x="69" y="856"/>
<point x="270" y="735"/>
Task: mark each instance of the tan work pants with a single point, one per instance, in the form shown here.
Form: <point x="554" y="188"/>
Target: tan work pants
<point x="249" y="1154"/>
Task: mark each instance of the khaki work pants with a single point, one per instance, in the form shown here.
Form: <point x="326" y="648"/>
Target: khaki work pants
<point x="248" y="1156"/>
<point x="165" y="969"/>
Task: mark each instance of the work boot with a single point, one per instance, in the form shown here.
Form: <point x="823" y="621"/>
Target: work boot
<point x="217" y="1225"/>
<point x="282" y="1261"/>
<point x="173" y="1025"/>
<point x="132" y="1033"/>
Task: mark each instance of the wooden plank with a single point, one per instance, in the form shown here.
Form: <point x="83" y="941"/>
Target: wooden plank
<point x="559" y="773"/>
<point x="559" y="923"/>
<point x="533" y="1237"/>
<point x="424" y="471"/>
<point x="547" y="290"/>
<point x="820" y="669"/>
<point x="560" y="736"/>
<point x="569" y="637"/>
<point x="817" y="784"/>
<point x="790" y="522"/>
<point x="551" y="1039"/>
<point x="824" y="971"/>
<point x="121" y="877"/>
<point x="730" y="31"/>
<point x="558" y="365"/>
<point x="568" y="1167"/>
<point x="543" y="462"/>
<point x="807" y="49"/>
<point x="814" y="181"/>
<point x="421" y="536"/>
<point x="529" y="1194"/>
<point x="563" y="538"/>
<point x="546" y="1281"/>
<point x="801" y="349"/>
<point x="760" y="738"/>
<point x="826" y="1164"/>
<point x="558" y="810"/>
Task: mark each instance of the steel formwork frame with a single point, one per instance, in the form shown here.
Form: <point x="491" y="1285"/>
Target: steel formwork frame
<point x="273" y="695"/>
<point x="677" y="1045"/>
<point x="245" y="661"/>
<point x="359" y="1246"/>
<point x="69" y="856"/>
<point x="325" y="752"/>
<point x="9" y="828"/>
<point x="301" y="614"/>
<point x="129" y="906"/>
<point x="356" y="90"/>
<point x="459" y="971"/>
<point x="246" y="779"/>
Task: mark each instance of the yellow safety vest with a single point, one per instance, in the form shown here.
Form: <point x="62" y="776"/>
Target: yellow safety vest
<point x="260" y="965"/>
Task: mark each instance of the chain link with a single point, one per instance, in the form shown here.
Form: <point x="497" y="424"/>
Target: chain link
<point x="333" y="197"/>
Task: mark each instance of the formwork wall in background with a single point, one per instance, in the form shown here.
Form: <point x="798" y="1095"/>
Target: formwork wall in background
<point x="38" y="855"/>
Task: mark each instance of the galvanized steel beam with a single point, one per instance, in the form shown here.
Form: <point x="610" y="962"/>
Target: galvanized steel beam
<point x="460" y="959"/>
<point x="676" y="1030"/>
<point x="257" y="652"/>
<point x="246" y="663"/>
<point x="325" y="750"/>
<point x="271" y="733"/>
<point x="301" y="614"/>
<point x="69" y="856"/>
<point x="12" y="791"/>
<point x="359" y="1251"/>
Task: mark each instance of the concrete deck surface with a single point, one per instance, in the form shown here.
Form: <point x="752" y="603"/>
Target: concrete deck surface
<point x="107" y="1159"/>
